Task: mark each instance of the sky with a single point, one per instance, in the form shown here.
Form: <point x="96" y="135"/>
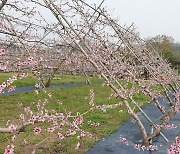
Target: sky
<point x="150" y="17"/>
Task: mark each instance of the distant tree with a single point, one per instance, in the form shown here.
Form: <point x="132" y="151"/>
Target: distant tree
<point x="163" y="44"/>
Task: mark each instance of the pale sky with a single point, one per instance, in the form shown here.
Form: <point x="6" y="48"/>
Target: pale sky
<point x="151" y="17"/>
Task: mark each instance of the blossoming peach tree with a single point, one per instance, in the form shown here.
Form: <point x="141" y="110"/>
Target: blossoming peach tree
<point x="82" y="37"/>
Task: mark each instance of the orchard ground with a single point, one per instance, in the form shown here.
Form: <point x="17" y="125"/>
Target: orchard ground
<point x="74" y="99"/>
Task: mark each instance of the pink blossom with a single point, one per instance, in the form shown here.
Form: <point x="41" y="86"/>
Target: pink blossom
<point x="70" y="132"/>
<point x="175" y="147"/>
<point x="37" y="86"/>
<point x="9" y="81"/>
<point x="14" y="78"/>
<point x="105" y="107"/>
<point x="167" y="127"/>
<point x="32" y="119"/>
<point x="51" y="129"/>
<point x="79" y="137"/>
<point x="37" y="130"/>
<point x="3" y="85"/>
<point x="37" y="92"/>
<point x="140" y="147"/>
<point x="12" y="128"/>
<point x="41" y="119"/>
<point x="30" y="59"/>
<point x="25" y="142"/>
<point x="78" y="146"/>
<point x="1" y="89"/>
<point x="55" y="123"/>
<point x="51" y="118"/>
<point x="95" y="124"/>
<point x="12" y="88"/>
<point x="27" y="109"/>
<point x="22" y="117"/>
<point x="88" y="134"/>
<point x="124" y="140"/>
<point x="23" y="75"/>
<point x="137" y="147"/>
<point x="79" y="121"/>
<point x="8" y="122"/>
<point x="69" y="114"/>
<point x="49" y="95"/>
<point x="60" y="136"/>
<point x="2" y="51"/>
<point x="91" y="103"/>
<point x="13" y="138"/>
<point x="9" y="149"/>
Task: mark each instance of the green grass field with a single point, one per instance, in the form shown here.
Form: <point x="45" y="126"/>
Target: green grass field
<point x="73" y="99"/>
<point x="58" y="79"/>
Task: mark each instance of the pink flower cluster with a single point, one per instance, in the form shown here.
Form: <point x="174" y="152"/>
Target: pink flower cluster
<point x="78" y="121"/>
<point x="13" y="138"/>
<point x="8" y="83"/>
<point x="12" y="128"/>
<point x="4" y="67"/>
<point x="37" y="130"/>
<point x="91" y="103"/>
<point x="2" y="52"/>
<point x="167" y="127"/>
<point x="175" y="147"/>
<point x="9" y="149"/>
<point x="32" y="119"/>
<point x="50" y="96"/>
<point x="83" y="134"/>
<point x="124" y="140"/>
<point x="11" y="80"/>
<point x="70" y="132"/>
<point x="22" y="118"/>
<point x="29" y="62"/>
<point x="142" y="147"/>
<point x="105" y="107"/>
<point x="60" y="136"/>
<point x="2" y="87"/>
<point x="78" y="146"/>
<point x="12" y="88"/>
<point x="95" y="124"/>
<point x="23" y="75"/>
<point x="27" y="110"/>
<point x="51" y="129"/>
<point x="57" y="119"/>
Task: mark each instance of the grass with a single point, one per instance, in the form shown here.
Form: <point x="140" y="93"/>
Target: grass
<point x="58" y="79"/>
<point x="74" y="100"/>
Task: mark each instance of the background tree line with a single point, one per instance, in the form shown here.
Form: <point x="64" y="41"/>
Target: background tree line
<point x="166" y="47"/>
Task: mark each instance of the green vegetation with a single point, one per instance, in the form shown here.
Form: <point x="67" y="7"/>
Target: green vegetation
<point x="58" y="79"/>
<point x="167" y="49"/>
<point x="163" y="45"/>
<point x="74" y="100"/>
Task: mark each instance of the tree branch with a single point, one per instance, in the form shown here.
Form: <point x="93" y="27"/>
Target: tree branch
<point x="3" y="4"/>
<point x="19" y="128"/>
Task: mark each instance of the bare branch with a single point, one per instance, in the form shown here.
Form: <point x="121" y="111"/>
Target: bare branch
<point x="3" y="3"/>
